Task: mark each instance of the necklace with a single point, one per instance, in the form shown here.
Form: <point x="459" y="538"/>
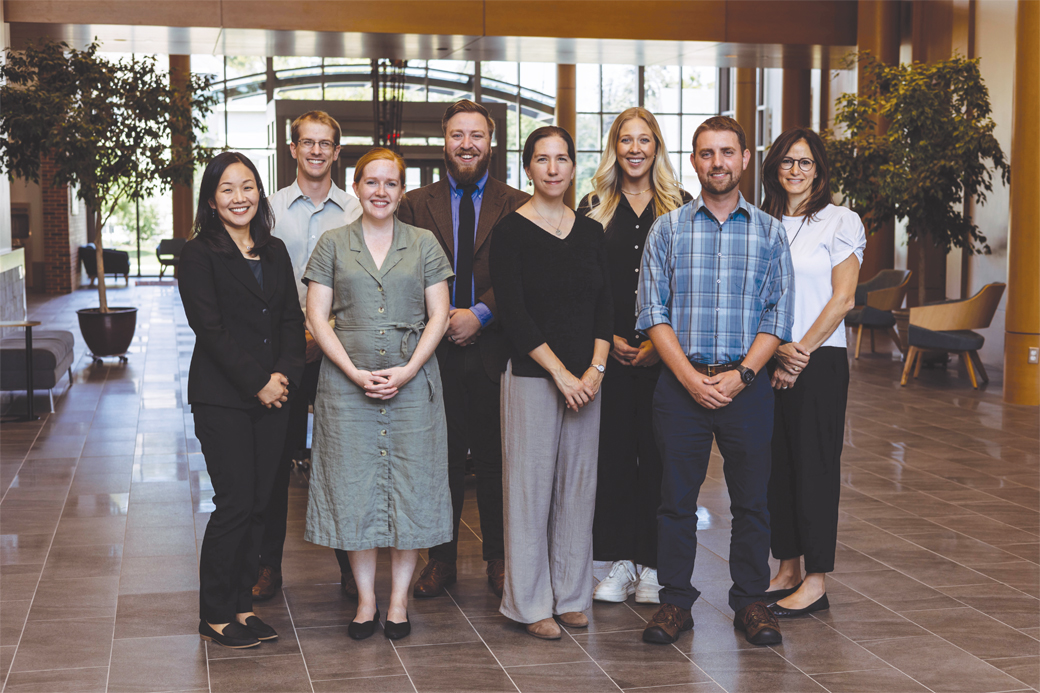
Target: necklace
<point x="556" y="227"/>
<point x="636" y="193"/>
<point x="790" y="243"/>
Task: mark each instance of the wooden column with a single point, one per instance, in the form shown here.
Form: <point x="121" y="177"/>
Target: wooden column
<point x="1022" y="321"/>
<point x="567" y="110"/>
<point x="878" y="31"/>
<point x="746" y="107"/>
<point x="796" y="109"/>
<point x="183" y="196"/>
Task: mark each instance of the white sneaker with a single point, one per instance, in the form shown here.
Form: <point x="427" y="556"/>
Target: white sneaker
<point x="648" y="589"/>
<point x="620" y="583"/>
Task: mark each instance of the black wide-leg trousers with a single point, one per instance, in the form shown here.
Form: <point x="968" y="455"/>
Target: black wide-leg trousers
<point x="628" y="486"/>
<point x="242" y="448"/>
<point x="805" y="482"/>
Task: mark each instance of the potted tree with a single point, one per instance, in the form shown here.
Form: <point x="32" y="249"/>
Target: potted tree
<point x="115" y="130"/>
<point x="931" y="157"/>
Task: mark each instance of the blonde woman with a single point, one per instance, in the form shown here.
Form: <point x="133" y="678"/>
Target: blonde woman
<point x="635" y="183"/>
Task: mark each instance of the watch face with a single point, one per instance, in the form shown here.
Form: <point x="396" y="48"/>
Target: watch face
<point x="748" y="376"/>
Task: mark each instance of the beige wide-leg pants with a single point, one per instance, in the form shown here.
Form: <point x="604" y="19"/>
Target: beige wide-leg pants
<point x="549" y="457"/>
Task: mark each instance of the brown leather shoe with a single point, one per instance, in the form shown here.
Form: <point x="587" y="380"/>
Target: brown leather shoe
<point x="667" y="623"/>
<point x="546" y="629"/>
<point x="496" y="572"/>
<point x="574" y="619"/>
<point x="759" y="624"/>
<point x="433" y="578"/>
<point x="347" y="585"/>
<point x="267" y="584"/>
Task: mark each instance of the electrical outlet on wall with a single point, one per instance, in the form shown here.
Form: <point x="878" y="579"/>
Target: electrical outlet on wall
<point x="1034" y="354"/>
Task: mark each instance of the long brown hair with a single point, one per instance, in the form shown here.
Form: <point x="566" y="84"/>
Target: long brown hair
<point x="775" y="201"/>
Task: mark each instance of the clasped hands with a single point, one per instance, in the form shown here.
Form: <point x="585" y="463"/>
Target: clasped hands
<point x="791" y="359"/>
<point x="578" y="391"/>
<point x="644" y="355"/>
<point x="385" y="383"/>
<point x="463" y="327"/>
<point x="275" y="392"/>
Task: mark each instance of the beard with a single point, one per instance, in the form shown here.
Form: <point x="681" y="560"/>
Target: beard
<point x="720" y="187"/>
<point x="467" y="175"/>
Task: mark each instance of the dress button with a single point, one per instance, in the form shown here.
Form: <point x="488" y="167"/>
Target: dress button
<point x="382" y="352"/>
<point x="379" y="288"/>
<point x="381" y="309"/>
<point x="382" y="411"/>
<point x="382" y="453"/>
<point x="382" y="331"/>
<point x="383" y="432"/>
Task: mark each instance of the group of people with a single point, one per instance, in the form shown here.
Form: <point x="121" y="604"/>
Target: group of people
<point x="584" y="359"/>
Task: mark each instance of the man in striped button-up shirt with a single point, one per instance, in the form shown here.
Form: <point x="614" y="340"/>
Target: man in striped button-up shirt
<point x="716" y="297"/>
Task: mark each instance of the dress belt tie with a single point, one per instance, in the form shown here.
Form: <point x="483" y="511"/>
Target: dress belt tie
<point x="415" y="328"/>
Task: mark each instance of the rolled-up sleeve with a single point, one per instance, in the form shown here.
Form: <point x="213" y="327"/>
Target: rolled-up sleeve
<point x="654" y="294"/>
<point x="778" y="288"/>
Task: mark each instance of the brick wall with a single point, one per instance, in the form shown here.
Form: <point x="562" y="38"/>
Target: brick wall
<point x="61" y="273"/>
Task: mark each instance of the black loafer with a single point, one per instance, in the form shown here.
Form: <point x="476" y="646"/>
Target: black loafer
<point x="261" y="630"/>
<point x="396" y="631"/>
<point x="777" y="595"/>
<point x="235" y="635"/>
<point x="818" y="605"/>
<point x="360" y="631"/>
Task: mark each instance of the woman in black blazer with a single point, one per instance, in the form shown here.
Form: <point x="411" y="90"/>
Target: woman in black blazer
<point x="239" y="294"/>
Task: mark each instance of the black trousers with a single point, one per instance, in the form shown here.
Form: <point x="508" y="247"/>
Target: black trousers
<point x="242" y="449"/>
<point x="808" y="432"/>
<point x="295" y="440"/>
<point x="471" y="405"/>
<point x="628" y="486"/>
<point x="685" y="431"/>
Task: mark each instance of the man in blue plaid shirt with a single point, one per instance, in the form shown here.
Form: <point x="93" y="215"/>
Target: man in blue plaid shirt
<point x="716" y="297"/>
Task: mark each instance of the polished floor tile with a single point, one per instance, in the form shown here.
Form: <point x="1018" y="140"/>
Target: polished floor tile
<point x="104" y="504"/>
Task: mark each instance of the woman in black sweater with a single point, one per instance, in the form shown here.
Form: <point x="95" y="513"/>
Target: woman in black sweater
<point x="549" y="273"/>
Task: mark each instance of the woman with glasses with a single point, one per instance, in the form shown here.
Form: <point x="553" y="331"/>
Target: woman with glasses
<point x="634" y="184"/>
<point x="811" y="374"/>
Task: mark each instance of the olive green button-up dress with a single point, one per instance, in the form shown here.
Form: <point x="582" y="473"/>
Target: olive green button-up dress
<point x="379" y="468"/>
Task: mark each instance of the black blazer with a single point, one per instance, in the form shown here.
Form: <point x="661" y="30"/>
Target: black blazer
<point x="242" y="334"/>
<point x="429" y="207"/>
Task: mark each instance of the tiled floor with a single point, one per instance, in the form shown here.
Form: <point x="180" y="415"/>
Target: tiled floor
<point x="104" y="502"/>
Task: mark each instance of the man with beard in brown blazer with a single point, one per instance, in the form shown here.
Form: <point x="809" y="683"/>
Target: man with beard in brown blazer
<point x="461" y="210"/>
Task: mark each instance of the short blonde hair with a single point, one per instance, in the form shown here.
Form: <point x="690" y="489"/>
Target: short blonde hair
<point x="378" y="154"/>
<point x="320" y="117"/>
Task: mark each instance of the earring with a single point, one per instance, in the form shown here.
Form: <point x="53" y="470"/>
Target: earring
<point x="212" y="213"/>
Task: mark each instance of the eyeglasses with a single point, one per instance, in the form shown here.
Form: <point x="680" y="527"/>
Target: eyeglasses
<point x="326" y="145"/>
<point x="787" y="163"/>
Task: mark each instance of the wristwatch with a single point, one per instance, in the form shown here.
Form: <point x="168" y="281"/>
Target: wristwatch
<point x="601" y="369"/>
<point x="746" y="374"/>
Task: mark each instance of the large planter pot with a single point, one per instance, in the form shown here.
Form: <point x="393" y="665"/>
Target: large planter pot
<point x="108" y="334"/>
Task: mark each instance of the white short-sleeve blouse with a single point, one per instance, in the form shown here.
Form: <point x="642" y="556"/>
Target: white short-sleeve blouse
<point x="817" y="246"/>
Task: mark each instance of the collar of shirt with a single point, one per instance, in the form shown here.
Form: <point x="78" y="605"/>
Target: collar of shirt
<point x="456" y="191"/>
<point x="336" y="195"/>
<point x="742" y="206"/>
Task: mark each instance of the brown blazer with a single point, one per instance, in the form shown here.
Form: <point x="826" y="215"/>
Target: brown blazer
<point x="429" y="207"/>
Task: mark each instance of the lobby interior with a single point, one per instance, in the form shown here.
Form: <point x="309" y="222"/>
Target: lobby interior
<point x="103" y="501"/>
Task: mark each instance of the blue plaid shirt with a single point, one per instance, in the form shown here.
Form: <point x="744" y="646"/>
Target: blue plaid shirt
<point x="717" y="284"/>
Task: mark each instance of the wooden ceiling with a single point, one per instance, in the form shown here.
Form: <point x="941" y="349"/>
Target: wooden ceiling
<point x="726" y="33"/>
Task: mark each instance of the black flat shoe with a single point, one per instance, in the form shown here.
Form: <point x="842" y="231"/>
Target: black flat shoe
<point x="818" y="605"/>
<point x="776" y="595"/>
<point x="360" y="631"/>
<point x="396" y="631"/>
<point x="235" y="635"/>
<point x="261" y="630"/>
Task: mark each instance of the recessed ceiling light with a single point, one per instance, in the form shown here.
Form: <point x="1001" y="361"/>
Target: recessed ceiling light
<point x="729" y="56"/>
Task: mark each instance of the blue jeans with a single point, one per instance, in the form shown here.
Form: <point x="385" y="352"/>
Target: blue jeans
<point x="743" y="430"/>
